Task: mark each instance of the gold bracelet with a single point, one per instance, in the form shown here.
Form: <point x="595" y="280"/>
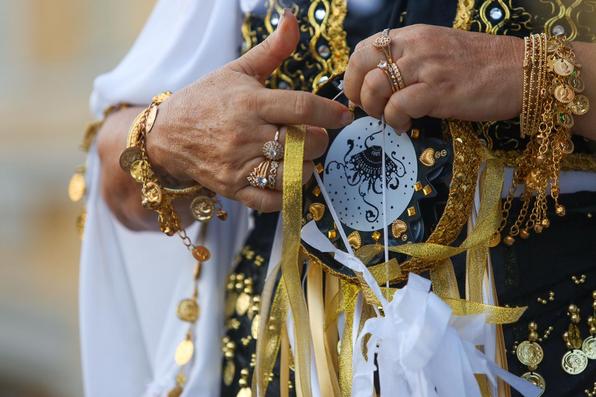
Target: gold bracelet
<point x="154" y="195"/>
<point x="552" y="97"/>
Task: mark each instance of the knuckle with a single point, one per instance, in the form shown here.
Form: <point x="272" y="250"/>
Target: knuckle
<point x="303" y="106"/>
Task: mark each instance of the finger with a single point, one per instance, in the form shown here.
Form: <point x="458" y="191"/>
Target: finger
<point x="365" y="59"/>
<point x="376" y="91"/>
<point x="307" y="169"/>
<point x="413" y="102"/>
<point x="315" y="143"/>
<point x="262" y="60"/>
<point x="284" y="107"/>
<point x="259" y="199"/>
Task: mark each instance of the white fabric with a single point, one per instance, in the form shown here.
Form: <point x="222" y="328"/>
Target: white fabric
<point x="130" y="283"/>
<point x="419" y="347"/>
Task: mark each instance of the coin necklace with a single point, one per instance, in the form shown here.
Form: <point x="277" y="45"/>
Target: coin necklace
<point x="574" y="361"/>
<point x="530" y="354"/>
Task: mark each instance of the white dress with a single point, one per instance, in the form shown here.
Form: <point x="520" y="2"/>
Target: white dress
<point x="130" y="283"/>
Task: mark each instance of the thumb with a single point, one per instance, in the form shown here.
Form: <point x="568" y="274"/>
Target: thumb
<point x="262" y="60"/>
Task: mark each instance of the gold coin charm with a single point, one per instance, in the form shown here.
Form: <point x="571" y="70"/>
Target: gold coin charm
<point x="201" y="253"/>
<point x="244" y="392"/>
<point x="139" y="170"/>
<point x="151" y="116"/>
<point x="129" y="156"/>
<point x="589" y="347"/>
<point x="76" y="187"/>
<point x="577" y="83"/>
<point x="563" y="67"/>
<point x="428" y="157"/>
<point x="355" y="240"/>
<point x="317" y="210"/>
<point x="254" y="326"/>
<point x="229" y="372"/>
<point x="566" y="120"/>
<point x="529" y="353"/>
<point x="184" y="352"/>
<point x="188" y="310"/>
<point x="574" y="362"/>
<point x="536" y="379"/>
<point x="151" y="195"/>
<point x="398" y="227"/>
<point x="564" y="93"/>
<point x="176" y="391"/>
<point x="580" y="105"/>
<point x="202" y="208"/>
<point x="242" y="304"/>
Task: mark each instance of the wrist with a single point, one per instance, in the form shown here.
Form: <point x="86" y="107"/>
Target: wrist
<point x="513" y="56"/>
<point x="159" y="149"/>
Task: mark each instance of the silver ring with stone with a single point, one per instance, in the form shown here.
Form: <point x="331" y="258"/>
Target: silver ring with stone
<point x="273" y="150"/>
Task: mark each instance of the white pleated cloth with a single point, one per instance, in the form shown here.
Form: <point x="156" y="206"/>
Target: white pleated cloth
<point x="130" y="283"/>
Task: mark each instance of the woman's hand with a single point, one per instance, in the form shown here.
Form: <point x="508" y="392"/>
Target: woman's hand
<point x="213" y="131"/>
<point x="448" y="74"/>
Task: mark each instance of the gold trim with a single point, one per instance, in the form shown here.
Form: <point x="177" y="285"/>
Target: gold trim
<point x="463" y="16"/>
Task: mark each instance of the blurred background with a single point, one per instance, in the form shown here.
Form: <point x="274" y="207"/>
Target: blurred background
<point x="50" y="51"/>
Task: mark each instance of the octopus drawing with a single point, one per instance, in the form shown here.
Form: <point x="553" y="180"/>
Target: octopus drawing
<point x="361" y="167"/>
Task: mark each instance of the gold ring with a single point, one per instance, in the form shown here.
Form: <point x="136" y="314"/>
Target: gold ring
<point x="384" y="66"/>
<point x="383" y="43"/>
<point x="401" y="84"/>
<point x="273" y="150"/>
<point x="264" y="175"/>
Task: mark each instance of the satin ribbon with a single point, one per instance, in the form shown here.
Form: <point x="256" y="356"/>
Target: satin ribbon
<point x="363" y="370"/>
<point x="290" y="267"/>
<point x="421" y="349"/>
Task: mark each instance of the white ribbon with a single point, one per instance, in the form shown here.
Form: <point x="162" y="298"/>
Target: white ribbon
<point x="421" y="348"/>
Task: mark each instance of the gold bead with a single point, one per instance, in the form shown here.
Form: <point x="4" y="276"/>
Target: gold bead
<point x="572" y="308"/>
<point x="560" y="210"/>
<point x="545" y="223"/>
<point x="533" y="336"/>
<point x="524" y="234"/>
<point x="532" y="326"/>
<point x="575" y="318"/>
<point x="494" y="240"/>
<point x="538" y="228"/>
<point x="509" y="240"/>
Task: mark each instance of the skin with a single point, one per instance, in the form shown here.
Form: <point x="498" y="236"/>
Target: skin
<point x="452" y="74"/>
<point x="199" y="130"/>
<point x="212" y="131"/>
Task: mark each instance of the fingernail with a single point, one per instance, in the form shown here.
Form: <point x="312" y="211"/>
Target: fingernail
<point x="347" y="118"/>
<point x="283" y="15"/>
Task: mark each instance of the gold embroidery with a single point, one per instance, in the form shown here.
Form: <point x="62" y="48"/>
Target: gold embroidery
<point x="324" y="55"/>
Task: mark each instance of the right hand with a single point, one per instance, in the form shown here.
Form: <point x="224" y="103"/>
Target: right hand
<point x="212" y="131"/>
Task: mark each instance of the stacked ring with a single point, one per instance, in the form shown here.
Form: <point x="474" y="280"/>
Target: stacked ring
<point x="389" y="72"/>
<point x="264" y="175"/>
<point x="383" y="44"/>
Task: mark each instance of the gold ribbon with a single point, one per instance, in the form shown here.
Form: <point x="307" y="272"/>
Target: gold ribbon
<point x="290" y="267"/>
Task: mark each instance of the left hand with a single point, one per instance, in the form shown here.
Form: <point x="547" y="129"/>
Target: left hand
<point x="448" y="74"/>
